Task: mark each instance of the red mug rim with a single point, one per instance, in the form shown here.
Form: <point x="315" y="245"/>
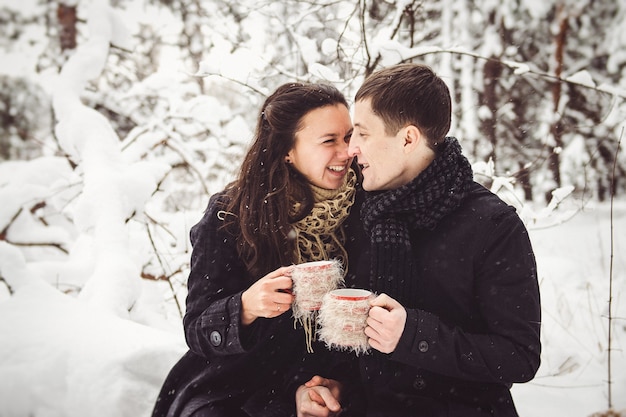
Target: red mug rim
<point x="363" y="294"/>
<point x="314" y="265"/>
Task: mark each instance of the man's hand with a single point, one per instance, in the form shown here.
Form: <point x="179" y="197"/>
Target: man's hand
<point x="385" y="323"/>
<point x="319" y="397"/>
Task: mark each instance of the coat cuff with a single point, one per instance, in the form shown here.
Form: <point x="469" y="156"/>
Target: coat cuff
<point x="418" y="338"/>
<point x="222" y="325"/>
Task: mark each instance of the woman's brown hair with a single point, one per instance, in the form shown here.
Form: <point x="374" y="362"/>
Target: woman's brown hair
<point x="261" y="198"/>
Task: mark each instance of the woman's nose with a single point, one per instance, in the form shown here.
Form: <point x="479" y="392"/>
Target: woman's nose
<point x="342" y="151"/>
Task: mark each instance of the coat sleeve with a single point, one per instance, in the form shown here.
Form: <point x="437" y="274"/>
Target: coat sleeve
<point x="506" y="347"/>
<point x="216" y="282"/>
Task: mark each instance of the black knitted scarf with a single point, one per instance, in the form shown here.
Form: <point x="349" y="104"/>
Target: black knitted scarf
<point x="390" y="216"/>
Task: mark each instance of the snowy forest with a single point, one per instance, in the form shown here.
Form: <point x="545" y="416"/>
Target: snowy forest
<point x="119" y="118"/>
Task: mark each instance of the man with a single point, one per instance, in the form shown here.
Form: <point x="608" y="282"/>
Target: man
<point x="457" y="318"/>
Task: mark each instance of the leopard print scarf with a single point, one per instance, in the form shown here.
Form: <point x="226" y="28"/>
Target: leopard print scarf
<point x="319" y="235"/>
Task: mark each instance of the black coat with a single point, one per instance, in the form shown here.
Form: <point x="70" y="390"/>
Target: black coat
<point x="227" y="363"/>
<point x="474" y="328"/>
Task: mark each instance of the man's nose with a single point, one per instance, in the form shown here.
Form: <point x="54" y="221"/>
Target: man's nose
<point x="353" y="149"/>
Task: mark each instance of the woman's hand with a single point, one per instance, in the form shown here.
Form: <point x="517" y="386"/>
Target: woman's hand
<point x="269" y="297"/>
<point x="319" y="397"/>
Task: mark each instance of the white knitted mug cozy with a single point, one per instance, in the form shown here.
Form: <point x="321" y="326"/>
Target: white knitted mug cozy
<point x="311" y="281"/>
<point x="342" y="319"/>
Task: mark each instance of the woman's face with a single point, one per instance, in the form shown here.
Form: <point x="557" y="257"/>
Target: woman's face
<point x="320" y="152"/>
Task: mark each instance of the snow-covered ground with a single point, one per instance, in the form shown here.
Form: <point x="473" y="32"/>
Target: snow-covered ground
<point x="61" y="357"/>
<point x="574" y="262"/>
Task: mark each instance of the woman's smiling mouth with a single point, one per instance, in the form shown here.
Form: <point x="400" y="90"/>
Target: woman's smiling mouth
<point x="337" y="168"/>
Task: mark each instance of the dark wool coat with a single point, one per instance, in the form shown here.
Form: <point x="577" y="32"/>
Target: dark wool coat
<point x="227" y="363"/>
<point x="472" y="327"/>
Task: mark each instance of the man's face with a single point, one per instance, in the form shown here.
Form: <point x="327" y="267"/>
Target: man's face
<point x="381" y="156"/>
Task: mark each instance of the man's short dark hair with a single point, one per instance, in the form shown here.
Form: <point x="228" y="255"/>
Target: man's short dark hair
<point x="409" y="94"/>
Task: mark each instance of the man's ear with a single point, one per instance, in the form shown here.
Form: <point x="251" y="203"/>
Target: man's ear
<point x="412" y="138"/>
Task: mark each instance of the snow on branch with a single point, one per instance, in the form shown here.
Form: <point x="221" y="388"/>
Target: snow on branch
<point x="581" y="78"/>
<point x="113" y="189"/>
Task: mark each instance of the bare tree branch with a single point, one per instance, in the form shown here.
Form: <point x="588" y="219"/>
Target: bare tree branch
<point x="520" y="69"/>
<point x="167" y="278"/>
<point x="610" y="318"/>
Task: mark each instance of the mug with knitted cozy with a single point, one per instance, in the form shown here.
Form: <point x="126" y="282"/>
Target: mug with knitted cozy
<point x="311" y="281"/>
<point x="342" y="319"/>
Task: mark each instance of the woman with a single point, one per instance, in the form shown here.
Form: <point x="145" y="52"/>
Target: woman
<point x="291" y="203"/>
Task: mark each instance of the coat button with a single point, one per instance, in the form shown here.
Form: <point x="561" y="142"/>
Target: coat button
<point x="419" y="383"/>
<point x="216" y="338"/>
<point x="423" y="346"/>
